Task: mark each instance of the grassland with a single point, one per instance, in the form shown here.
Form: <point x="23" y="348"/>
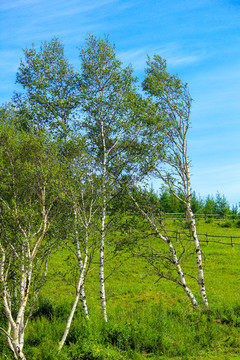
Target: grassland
<point x="148" y="318"/>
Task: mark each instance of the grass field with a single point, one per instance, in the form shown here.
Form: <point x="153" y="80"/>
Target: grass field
<point x="148" y="318"/>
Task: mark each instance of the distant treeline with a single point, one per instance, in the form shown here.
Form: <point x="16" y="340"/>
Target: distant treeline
<point x="168" y="203"/>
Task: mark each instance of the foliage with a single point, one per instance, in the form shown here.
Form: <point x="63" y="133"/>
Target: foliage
<point x="210" y="205"/>
<point x="76" y="153"/>
<point x="51" y="97"/>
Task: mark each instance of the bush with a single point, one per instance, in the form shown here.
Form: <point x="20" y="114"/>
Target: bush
<point x="226" y="224"/>
<point x="43" y="308"/>
<point x="209" y="220"/>
<point x="117" y="335"/>
<point x="93" y="351"/>
<point x="237" y="224"/>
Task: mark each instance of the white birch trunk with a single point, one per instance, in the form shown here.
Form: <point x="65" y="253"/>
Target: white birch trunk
<point x="17" y="340"/>
<point x="201" y="280"/>
<point x="70" y="318"/>
<point x="81" y="266"/>
<point x="180" y="272"/>
<point x="103" y="219"/>
<point x="102" y="244"/>
<point x="16" y="328"/>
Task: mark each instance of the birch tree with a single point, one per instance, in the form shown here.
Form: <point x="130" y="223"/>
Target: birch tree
<point x="82" y="194"/>
<point x="108" y="100"/>
<point x="169" y="256"/>
<point x="50" y="101"/>
<point x="50" y="97"/>
<point x="173" y="101"/>
<point x="28" y="206"/>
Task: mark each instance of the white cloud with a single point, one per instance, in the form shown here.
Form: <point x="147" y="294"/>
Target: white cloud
<point x="225" y="169"/>
<point x="135" y="57"/>
<point x="182" y="60"/>
<point x="173" y="53"/>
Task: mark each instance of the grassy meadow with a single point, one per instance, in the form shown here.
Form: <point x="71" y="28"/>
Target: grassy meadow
<point x="148" y="318"/>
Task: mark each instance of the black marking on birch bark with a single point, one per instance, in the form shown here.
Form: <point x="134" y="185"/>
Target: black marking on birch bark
<point x="26" y="287"/>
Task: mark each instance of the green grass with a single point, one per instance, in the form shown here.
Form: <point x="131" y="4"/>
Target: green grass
<point x="148" y="319"/>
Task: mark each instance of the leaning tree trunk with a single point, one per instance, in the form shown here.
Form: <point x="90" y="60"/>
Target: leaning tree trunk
<point x="201" y="280"/>
<point x="78" y="291"/>
<point x="179" y="270"/>
<point x="81" y="266"/>
<point x="175" y="260"/>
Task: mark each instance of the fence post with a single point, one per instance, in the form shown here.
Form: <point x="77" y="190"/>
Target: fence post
<point x="207" y="238"/>
<point x="232" y="241"/>
<point x="176" y="236"/>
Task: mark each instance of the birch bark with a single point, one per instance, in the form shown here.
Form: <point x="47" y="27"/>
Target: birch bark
<point x="172" y="250"/>
<point x="78" y="292"/>
<point x="103" y="219"/>
<point x="108" y="98"/>
<point x="81" y="265"/>
<point x="26" y="215"/>
<point x="173" y="103"/>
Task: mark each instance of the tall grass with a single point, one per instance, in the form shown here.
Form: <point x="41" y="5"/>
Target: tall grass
<point x="148" y="319"/>
<point x="150" y="329"/>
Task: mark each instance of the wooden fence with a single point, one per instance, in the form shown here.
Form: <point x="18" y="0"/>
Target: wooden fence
<point x="207" y="238"/>
<point x="216" y="217"/>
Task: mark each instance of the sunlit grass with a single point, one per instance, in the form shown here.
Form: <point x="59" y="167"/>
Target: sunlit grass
<point x="148" y="318"/>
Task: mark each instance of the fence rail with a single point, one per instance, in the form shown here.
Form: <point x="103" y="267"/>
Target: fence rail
<point x="216" y="217"/>
<point x="207" y="238"/>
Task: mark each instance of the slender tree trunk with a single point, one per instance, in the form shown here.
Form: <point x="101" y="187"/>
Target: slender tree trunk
<point x="17" y="346"/>
<point x="81" y="265"/>
<point x="103" y="219"/>
<point x="21" y="333"/>
<point x="17" y="351"/>
<point x="78" y="291"/>
<point x="201" y="280"/>
<point x="9" y="339"/>
<point x="17" y="341"/>
<point x="102" y="244"/>
<point x="84" y="300"/>
<point x="180" y="272"/>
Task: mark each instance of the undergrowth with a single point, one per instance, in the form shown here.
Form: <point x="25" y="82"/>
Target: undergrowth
<point x="147" y="318"/>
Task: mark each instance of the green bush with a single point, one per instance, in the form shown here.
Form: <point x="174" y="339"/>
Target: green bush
<point x="237" y="224"/>
<point x="226" y="224"/>
<point x="44" y="308"/>
<point x="93" y="351"/>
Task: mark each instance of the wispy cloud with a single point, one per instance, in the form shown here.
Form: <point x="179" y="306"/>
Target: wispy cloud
<point x="233" y="168"/>
<point x="199" y="40"/>
<point x="176" y="57"/>
<point x="135" y="57"/>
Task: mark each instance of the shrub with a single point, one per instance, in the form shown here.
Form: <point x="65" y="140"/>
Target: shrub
<point x="237" y="224"/>
<point x="43" y="308"/>
<point x="226" y="224"/>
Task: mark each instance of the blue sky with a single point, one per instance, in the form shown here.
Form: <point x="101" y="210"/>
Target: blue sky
<point x="198" y="38"/>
